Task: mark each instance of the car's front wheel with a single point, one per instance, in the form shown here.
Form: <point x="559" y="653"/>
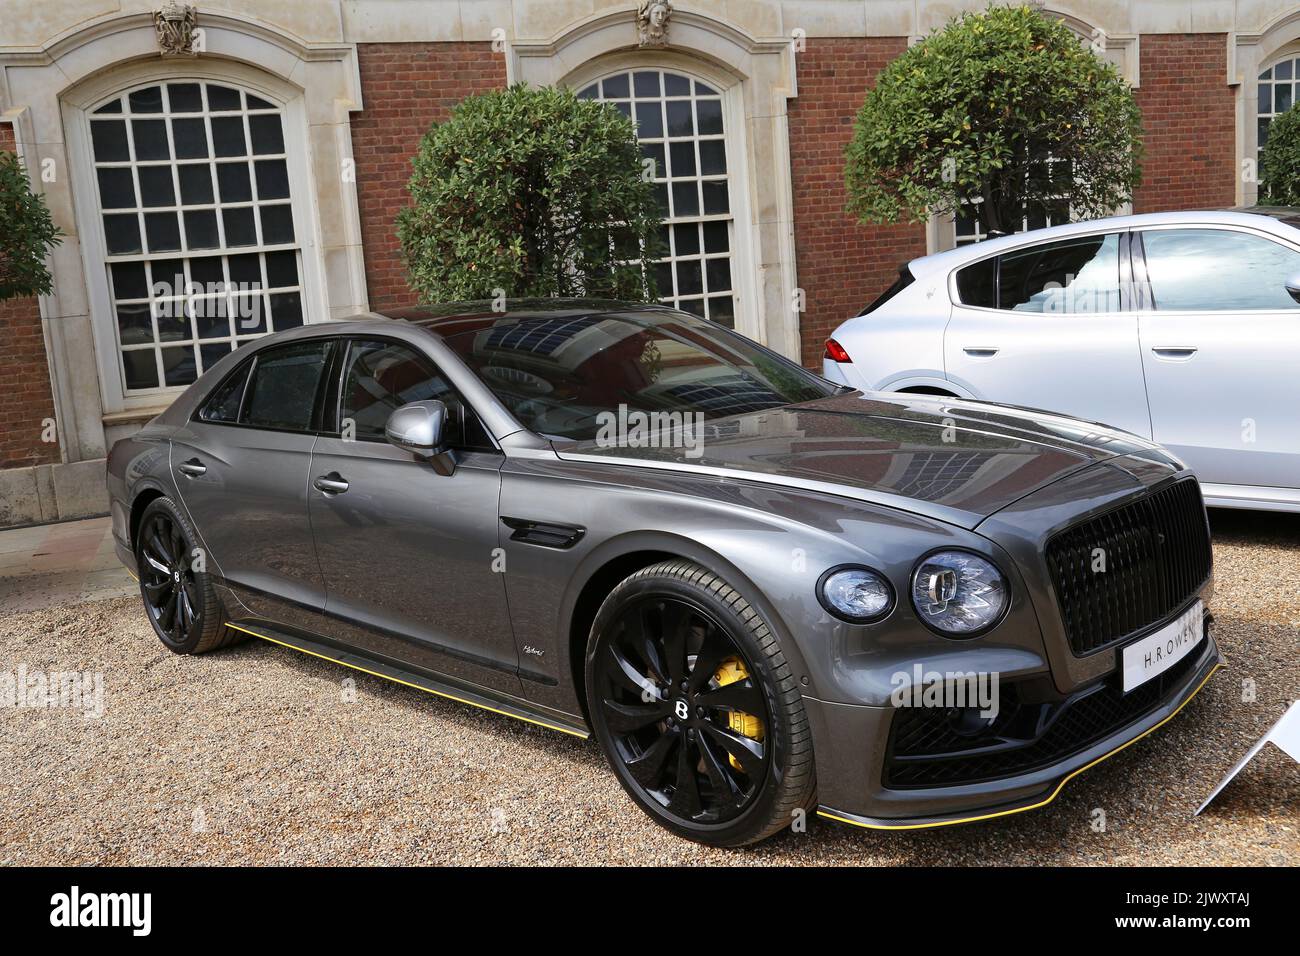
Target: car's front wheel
<point x="179" y="599"/>
<point x="696" y="707"/>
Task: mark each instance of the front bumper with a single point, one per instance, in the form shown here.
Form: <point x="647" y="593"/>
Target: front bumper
<point x="851" y="773"/>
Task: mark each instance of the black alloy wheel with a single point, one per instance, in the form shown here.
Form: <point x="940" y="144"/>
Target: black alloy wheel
<point x="696" y="708"/>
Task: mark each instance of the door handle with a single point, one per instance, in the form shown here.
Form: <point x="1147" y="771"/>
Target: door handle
<point x="981" y="351"/>
<point x="1176" y="351"/>
<point x="192" y="468"/>
<point x="331" y="484"/>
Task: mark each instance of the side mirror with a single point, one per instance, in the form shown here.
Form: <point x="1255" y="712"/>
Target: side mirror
<point x="1293" y="286"/>
<point x="417" y="428"/>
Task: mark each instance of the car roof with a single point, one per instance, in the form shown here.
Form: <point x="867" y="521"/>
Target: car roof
<point x="1276" y="219"/>
<point x="452" y="318"/>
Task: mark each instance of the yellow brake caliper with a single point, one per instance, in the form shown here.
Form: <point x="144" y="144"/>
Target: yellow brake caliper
<point x="729" y="671"/>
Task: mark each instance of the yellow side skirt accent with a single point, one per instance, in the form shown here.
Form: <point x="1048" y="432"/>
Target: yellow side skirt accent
<point x="398" y="680"/>
<point x="1034" y="806"/>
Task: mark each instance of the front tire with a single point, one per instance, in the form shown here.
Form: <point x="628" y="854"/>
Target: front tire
<point x="696" y="707"/>
<point x="179" y="599"/>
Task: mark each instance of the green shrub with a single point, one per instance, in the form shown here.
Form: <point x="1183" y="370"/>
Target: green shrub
<point x="972" y="111"/>
<point x="534" y="192"/>
<point x="1279" y="164"/>
<point x="27" y="233"/>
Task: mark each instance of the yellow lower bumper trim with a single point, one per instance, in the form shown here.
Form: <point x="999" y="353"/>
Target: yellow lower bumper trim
<point x="1033" y="806"/>
<point x="398" y="680"/>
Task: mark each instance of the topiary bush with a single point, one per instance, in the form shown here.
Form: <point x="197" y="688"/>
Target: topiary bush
<point x="27" y="233"/>
<point x="533" y="192"/>
<point x="1279" y="163"/>
<point x="973" y="111"/>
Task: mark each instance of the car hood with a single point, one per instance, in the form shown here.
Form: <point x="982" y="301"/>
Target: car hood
<point x="954" y="460"/>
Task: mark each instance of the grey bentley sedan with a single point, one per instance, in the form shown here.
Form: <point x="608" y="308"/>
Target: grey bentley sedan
<point x="764" y="594"/>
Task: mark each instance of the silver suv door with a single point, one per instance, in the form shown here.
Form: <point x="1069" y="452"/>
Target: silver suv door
<point x="1051" y="326"/>
<point x="1221" y="352"/>
<point x="409" y="555"/>
<point x="241" y="466"/>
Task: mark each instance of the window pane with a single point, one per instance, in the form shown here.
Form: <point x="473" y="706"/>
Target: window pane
<point x="682" y="156"/>
<point x="239" y="227"/>
<point x="246" y="271"/>
<point x="148" y="100"/>
<point x="134" y="326"/>
<point x="211" y="317"/>
<point x="190" y="137"/>
<point x="223" y="404"/>
<point x="140" y="368"/>
<point x="286" y="310"/>
<point x="211" y="353"/>
<point x="645" y="84"/>
<point x="129" y="281"/>
<point x="649" y="121"/>
<point x="108" y="140"/>
<point x="1201" y="270"/>
<point x="272" y="179"/>
<point x="381" y="378"/>
<point x="156" y="186"/>
<point x="150" y="138"/>
<point x="713" y="157"/>
<point x="116" y="188"/>
<point x="196" y="184"/>
<point x="122" y="234"/>
<point x="277" y="225"/>
<point x="179" y="367"/>
<point x="680" y="122"/>
<point x="283" y="390"/>
<point x="281" y="269"/>
<point x="228" y="136"/>
<point x="233" y="182"/>
<point x="201" y="230"/>
<point x="710" y="114"/>
<point x="977" y="284"/>
<point x="222" y="98"/>
<point x="1070" y="276"/>
<point x="184" y="98"/>
<point x="162" y="231"/>
<point x="266" y="133"/>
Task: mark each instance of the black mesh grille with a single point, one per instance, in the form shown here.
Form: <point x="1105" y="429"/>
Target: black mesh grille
<point x="926" y="749"/>
<point x="1157" y="555"/>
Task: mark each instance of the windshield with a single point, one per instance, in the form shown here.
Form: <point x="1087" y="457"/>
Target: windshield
<point x="558" y="373"/>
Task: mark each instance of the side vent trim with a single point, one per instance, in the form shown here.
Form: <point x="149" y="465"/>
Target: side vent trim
<point x="544" y="534"/>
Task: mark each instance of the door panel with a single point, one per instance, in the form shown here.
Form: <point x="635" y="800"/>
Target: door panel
<point x="408" y="559"/>
<point x="250" y="507"/>
<point x="242" y="466"/>
<point x="1046" y="327"/>
<point x="1221" y="352"/>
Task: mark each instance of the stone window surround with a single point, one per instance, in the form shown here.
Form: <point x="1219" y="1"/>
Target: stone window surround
<point x="1249" y="54"/>
<point x="44" y="92"/>
<point x="757" y="77"/>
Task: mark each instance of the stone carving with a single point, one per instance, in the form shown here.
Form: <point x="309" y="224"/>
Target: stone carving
<point x="175" y="25"/>
<point x="652" y="23"/>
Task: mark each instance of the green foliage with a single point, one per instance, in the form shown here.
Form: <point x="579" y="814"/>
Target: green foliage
<point x="1279" y="164"/>
<point x="972" y="111"/>
<point x="533" y="191"/>
<point x="27" y="233"/>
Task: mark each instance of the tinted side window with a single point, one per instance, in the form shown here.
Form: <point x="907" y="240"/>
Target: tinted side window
<point x="1199" y="270"/>
<point x="223" y="404"/>
<point x="905" y="278"/>
<point x="282" y="393"/>
<point x="382" y="376"/>
<point x="977" y="284"/>
<point x="1073" y="275"/>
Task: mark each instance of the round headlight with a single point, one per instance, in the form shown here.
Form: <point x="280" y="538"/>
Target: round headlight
<point x="856" y="595"/>
<point x="959" y="593"/>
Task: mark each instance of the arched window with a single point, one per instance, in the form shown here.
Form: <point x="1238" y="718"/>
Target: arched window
<point x="1279" y="89"/>
<point x="679" y="121"/>
<point x="200" y="245"/>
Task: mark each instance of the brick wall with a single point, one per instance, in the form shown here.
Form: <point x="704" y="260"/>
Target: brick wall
<point x="1189" y="114"/>
<point x="25" y="397"/>
<point x="405" y="88"/>
<point x="841" y="264"/>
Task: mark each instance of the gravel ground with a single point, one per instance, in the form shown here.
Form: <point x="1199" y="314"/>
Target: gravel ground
<point x="254" y="755"/>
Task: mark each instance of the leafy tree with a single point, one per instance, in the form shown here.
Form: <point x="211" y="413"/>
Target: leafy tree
<point x="535" y="192"/>
<point x="1279" y="164"/>
<point x="27" y="233"/>
<point x="974" y="110"/>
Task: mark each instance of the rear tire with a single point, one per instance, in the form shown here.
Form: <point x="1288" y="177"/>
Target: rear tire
<point x="179" y="599"/>
<point x="696" y="708"/>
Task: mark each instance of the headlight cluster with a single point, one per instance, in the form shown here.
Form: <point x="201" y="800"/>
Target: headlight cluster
<point x="958" y="593"/>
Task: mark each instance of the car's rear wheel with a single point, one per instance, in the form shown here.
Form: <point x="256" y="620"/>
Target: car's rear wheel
<point x="179" y="599"/>
<point x="696" y="707"/>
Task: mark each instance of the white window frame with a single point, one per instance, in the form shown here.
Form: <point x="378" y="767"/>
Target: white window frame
<point x="1292" y="55"/>
<point x="744" y="274"/>
<point x="77" y="112"/>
